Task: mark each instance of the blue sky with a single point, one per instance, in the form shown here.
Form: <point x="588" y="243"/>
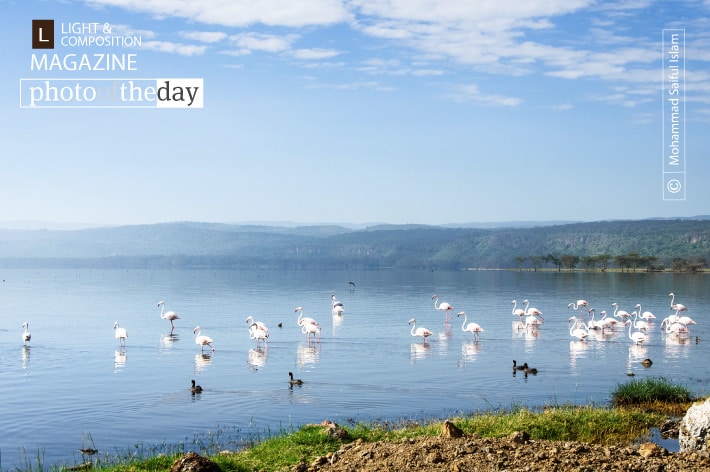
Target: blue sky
<point x="364" y="111"/>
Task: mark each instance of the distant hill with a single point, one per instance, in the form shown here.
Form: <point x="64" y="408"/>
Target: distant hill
<point x="216" y="245"/>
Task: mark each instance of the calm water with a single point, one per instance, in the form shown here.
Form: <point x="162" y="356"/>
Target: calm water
<point x="74" y="384"/>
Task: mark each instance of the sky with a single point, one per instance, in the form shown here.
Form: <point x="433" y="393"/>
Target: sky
<point x="363" y="112"/>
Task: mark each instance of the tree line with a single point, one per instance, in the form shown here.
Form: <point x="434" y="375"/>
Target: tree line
<point x="630" y="262"/>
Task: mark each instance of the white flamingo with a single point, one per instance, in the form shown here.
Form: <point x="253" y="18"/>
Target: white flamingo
<point x="580" y="304"/>
<point x="578" y="329"/>
<point x="637" y="336"/>
<point x="336" y="305"/>
<point x="623" y="314"/>
<point x="641" y="325"/>
<point x="518" y="311"/>
<point x="645" y="315"/>
<point x="202" y="340"/>
<point x="303" y="320"/>
<point x="443" y="306"/>
<point x="26" y="336"/>
<point x="474" y="328"/>
<point x="311" y="328"/>
<point x="169" y="315"/>
<point x="676" y="306"/>
<point x="592" y="323"/>
<point x="255" y="332"/>
<point x="422" y="332"/>
<point x="120" y="333"/>
<point x="250" y="321"/>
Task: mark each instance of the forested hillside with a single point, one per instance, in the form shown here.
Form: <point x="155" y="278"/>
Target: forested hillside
<point x="654" y="243"/>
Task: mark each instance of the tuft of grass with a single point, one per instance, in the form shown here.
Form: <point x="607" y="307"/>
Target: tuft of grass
<point x="648" y="392"/>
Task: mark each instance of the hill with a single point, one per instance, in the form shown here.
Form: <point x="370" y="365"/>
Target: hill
<point x="190" y="244"/>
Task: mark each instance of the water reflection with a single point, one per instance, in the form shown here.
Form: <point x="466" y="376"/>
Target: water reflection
<point x="25" y="356"/>
<point x="675" y="345"/>
<point x="257" y="358"/>
<point x="202" y="361"/>
<point x="307" y="354"/>
<point x="119" y="359"/>
<point x="418" y="351"/>
<point x="167" y="342"/>
<point x="337" y="322"/>
<point x="469" y="352"/>
<point x="577" y="350"/>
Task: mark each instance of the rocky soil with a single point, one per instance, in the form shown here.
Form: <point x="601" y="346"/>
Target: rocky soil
<point x="453" y="451"/>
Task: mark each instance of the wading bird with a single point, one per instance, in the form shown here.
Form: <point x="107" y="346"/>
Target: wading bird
<point x="169" y="315"/>
<point x="676" y="306"/>
<point x="637" y="336"/>
<point x="250" y="321"/>
<point x="303" y="320"/>
<point x="255" y="332"/>
<point x="120" y="334"/>
<point x="202" y="340"/>
<point x="336" y="305"/>
<point x="474" y="328"/>
<point x="422" y="332"/>
<point x="26" y="336"/>
<point x="443" y="306"/>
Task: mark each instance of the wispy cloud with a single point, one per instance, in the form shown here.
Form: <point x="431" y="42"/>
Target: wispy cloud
<point x="250" y="42"/>
<point x="241" y="13"/>
<point x="204" y="36"/>
<point x="472" y="93"/>
<point x="315" y="53"/>
<point x="174" y="48"/>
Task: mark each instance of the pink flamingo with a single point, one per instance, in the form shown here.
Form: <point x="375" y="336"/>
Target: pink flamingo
<point x="443" y="306"/>
<point x="474" y="328"/>
<point x="311" y="328"/>
<point x="250" y="321"/>
<point x="637" y="336"/>
<point x="202" y="340"/>
<point x="170" y="315"/>
<point x="255" y="332"/>
<point x="423" y="332"/>
<point x="518" y="311"/>
<point x="676" y="306"/>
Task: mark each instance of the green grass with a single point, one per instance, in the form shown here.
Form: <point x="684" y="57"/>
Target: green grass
<point x="637" y="407"/>
<point x="650" y="391"/>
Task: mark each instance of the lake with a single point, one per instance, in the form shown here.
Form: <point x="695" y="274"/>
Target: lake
<point x="74" y="386"/>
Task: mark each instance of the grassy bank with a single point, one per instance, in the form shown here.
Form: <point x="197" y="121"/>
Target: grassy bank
<point x="641" y="406"/>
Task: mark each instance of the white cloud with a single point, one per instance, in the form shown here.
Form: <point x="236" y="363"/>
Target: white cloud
<point x="248" y="42"/>
<point x="315" y="53"/>
<point x="204" y="36"/>
<point x="241" y="12"/>
<point x="175" y="48"/>
<point x="472" y="93"/>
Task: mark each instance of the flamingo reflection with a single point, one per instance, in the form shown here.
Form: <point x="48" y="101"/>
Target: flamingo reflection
<point x="257" y="358"/>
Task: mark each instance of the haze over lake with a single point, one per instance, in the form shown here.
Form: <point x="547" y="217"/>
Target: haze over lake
<point x="74" y="384"/>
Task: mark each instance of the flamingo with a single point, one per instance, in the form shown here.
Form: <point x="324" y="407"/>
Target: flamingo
<point x="423" y="332"/>
<point x="443" y="306"/>
<point x="26" y="336"/>
<point x="202" y="340"/>
<point x="195" y="388"/>
<point x="641" y="325"/>
<point x="578" y="330"/>
<point x="170" y="315"/>
<point x="255" y="332"/>
<point x="294" y="381"/>
<point x="311" y="328"/>
<point x="637" y="336"/>
<point x="120" y="334"/>
<point x="580" y="303"/>
<point x="250" y="321"/>
<point x="336" y="305"/>
<point x="301" y="320"/>
<point x="624" y="315"/>
<point x="474" y="328"/>
<point x="646" y="315"/>
<point x="518" y="311"/>
<point x="592" y="323"/>
<point x="676" y="306"/>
